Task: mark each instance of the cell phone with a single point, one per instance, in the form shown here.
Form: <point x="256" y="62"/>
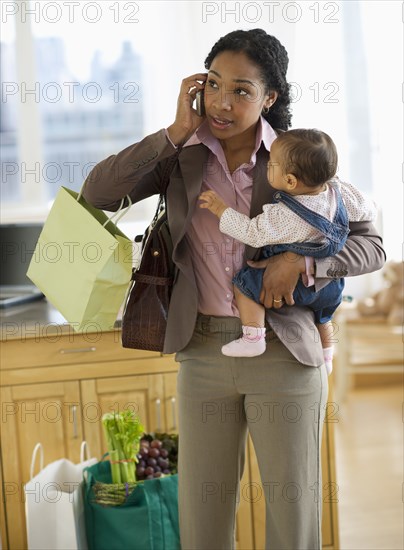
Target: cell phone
<point x="200" y="104"/>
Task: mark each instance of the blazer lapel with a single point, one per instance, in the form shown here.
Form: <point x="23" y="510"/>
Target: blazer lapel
<point x="192" y="163"/>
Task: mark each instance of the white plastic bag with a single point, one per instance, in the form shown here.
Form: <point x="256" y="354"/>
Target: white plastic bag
<point x="54" y="508"/>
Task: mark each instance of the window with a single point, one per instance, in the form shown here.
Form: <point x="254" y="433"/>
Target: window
<point x="101" y="75"/>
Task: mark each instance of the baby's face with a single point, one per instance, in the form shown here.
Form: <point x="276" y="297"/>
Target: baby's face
<point x="275" y="174"/>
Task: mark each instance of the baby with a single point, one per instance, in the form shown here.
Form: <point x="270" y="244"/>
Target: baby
<point x="310" y="217"/>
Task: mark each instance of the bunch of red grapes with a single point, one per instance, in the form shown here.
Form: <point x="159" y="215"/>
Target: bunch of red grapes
<point x="156" y="457"/>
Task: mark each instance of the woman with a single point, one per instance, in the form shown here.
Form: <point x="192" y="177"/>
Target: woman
<point x="279" y="397"/>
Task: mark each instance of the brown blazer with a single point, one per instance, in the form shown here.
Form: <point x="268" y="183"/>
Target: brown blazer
<point x="137" y="171"/>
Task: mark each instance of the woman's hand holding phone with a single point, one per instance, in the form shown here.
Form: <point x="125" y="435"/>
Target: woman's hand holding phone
<point x="187" y="119"/>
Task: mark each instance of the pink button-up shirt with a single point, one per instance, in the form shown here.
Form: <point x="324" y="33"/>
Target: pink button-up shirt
<point x="215" y="256"/>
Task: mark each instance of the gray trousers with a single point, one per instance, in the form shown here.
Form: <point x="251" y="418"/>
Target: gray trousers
<point x="281" y="403"/>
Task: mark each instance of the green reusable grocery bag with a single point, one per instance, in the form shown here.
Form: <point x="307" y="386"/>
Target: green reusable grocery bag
<point x="82" y="262"/>
<point x="148" y="520"/>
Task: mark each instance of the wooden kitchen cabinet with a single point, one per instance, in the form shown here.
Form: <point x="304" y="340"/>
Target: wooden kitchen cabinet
<point x="3" y="524"/>
<point x="144" y="394"/>
<point x="33" y="413"/>
<point x="54" y="390"/>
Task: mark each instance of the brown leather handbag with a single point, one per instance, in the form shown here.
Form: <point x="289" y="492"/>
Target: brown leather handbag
<point x="145" y="313"/>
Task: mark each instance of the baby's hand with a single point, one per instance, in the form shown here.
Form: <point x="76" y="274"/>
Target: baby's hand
<point x="213" y="202"/>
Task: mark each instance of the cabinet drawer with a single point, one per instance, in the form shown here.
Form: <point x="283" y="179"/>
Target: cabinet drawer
<point x="58" y="349"/>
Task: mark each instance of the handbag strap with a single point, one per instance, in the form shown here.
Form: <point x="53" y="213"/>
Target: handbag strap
<point x="169" y="168"/>
<point x="151" y="279"/>
<point x="165" y="180"/>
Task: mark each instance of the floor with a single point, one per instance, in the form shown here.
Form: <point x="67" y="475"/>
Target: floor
<point x="369" y="462"/>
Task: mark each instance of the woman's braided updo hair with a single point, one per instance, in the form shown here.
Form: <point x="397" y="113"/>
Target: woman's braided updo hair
<point x="271" y="58"/>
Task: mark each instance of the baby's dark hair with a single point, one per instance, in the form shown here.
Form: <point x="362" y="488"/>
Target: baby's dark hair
<point x="272" y="59"/>
<point x="310" y="155"/>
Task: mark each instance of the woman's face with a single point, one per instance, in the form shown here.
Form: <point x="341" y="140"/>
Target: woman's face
<point x="234" y="95"/>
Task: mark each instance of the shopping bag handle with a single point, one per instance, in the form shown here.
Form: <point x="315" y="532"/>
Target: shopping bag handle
<point x="38" y="447"/>
<point x="84" y="450"/>
<point x="122" y="211"/>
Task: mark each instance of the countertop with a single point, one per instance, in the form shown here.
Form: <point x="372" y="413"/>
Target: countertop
<point x="37" y="319"/>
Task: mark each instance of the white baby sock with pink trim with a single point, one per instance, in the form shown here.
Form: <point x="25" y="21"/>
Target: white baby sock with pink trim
<point x="328" y="356"/>
<point x="251" y="344"/>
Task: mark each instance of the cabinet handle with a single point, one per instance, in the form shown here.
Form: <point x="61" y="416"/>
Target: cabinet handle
<point x="173" y="412"/>
<point x="158" y="415"/>
<point x="78" y="350"/>
<point x="75" y="432"/>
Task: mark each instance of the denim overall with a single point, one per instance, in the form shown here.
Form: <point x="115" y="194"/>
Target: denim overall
<point x="324" y="302"/>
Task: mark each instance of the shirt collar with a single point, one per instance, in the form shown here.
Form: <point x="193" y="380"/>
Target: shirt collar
<point x="265" y="134"/>
<point x="268" y="134"/>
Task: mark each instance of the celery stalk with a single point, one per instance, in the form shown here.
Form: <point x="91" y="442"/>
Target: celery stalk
<point x="123" y="432"/>
<point x="115" y="467"/>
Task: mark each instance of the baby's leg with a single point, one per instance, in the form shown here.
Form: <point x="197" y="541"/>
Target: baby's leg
<point x="251" y="313"/>
<point x="252" y="317"/>
<point x="326" y="331"/>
